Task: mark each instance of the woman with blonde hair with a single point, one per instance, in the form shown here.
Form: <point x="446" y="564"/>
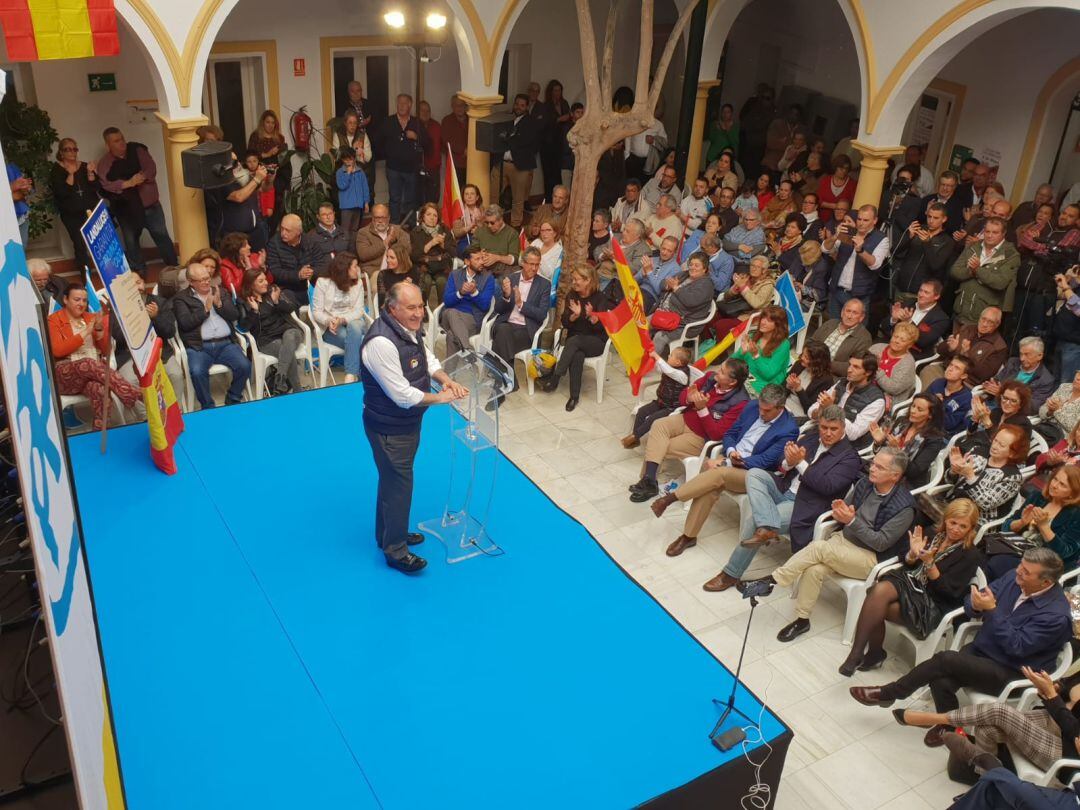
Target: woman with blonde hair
<point x="934" y="579"/>
<point x="267" y="140"/>
<point x="583" y="334"/>
<point x="896" y="364"/>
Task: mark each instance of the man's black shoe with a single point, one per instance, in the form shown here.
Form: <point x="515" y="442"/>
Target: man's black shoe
<point x="414" y="538"/>
<point x="409" y="564"/>
<point x="793" y="630"/>
<point x="644" y="490"/>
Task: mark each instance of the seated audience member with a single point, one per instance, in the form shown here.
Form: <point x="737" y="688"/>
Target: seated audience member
<point x="236" y="259"/>
<point x="522" y="301"/>
<point x="1029" y="369"/>
<point x="984" y="272"/>
<point x="985" y="420"/>
<point x="814" y="471"/>
<point x="845" y="337"/>
<point x="466" y="300"/>
<point x="934" y="579"/>
<point x="266" y="314"/>
<point x="922" y="254"/>
<point x="721" y="265"/>
<point x="729" y="217"/>
<point x="784" y="245"/>
<point x="206" y="321"/>
<point x="432" y="251"/>
<point x="1066" y="451"/>
<point x="688" y="296"/>
<point x="676" y="374"/>
<point x="861" y="400"/>
<point x="630" y="206"/>
<point x="553" y="212"/>
<point x="337" y="307"/>
<point x="472" y="215"/>
<point x="633" y="246"/>
<point x="712" y="404"/>
<point x="982" y="344"/>
<point x="752" y="288"/>
<point x="664" y="223"/>
<point x="208" y="258"/>
<point x="583" y="335"/>
<point x="775" y="213"/>
<point x="711" y="225"/>
<point x="49" y="287"/>
<point x="80" y="348"/>
<point x="500" y="243"/>
<point x="398" y="268"/>
<point x="1041" y="737"/>
<point x="810" y="376"/>
<point x="874" y="519"/>
<point x="858" y="250"/>
<point x="926" y="314"/>
<point x="808" y="209"/>
<point x="1048" y="518"/>
<point x="331" y="238"/>
<point x="373" y="240"/>
<point x="695" y="206"/>
<point x="991" y="479"/>
<point x="755" y="442"/>
<point x="919" y="434"/>
<point x="663" y="183"/>
<point x="1026" y="620"/>
<point x="765" y="349"/>
<point x="763" y="190"/>
<point x="655" y="273"/>
<point x="551" y="251"/>
<point x="1063" y="407"/>
<point x="293" y="257"/>
<point x="599" y="237"/>
<point x="722" y="174"/>
<point x="896" y="366"/>
<point x="164" y="322"/>
<point x="953" y="394"/>
<point x="834" y="188"/>
<point x="747" y="239"/>
<point x="810" y="274"/>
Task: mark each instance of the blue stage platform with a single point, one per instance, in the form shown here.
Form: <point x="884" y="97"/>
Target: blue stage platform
<point x="259" y="654"/>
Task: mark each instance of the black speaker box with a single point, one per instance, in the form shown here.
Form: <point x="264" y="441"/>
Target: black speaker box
<point x="208" y="165"/>
<point x="492" y="132"/>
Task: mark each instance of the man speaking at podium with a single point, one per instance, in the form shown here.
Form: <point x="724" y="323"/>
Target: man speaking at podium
<point x="396" y="372"/>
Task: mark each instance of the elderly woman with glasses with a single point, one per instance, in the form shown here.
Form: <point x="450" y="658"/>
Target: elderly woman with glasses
<point x="76" y="190"/>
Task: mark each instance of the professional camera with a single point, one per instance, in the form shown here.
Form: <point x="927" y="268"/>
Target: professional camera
<point x="901" y="186"/>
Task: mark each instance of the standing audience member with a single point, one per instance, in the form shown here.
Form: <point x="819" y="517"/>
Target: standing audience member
<point x="402" y="140"/>
<point x="557" y="117"/>
<point x="127" y="175"/>
<point x="433" y="149"/>
<point x="859" y="251"/>
<point x="76" y="191"/>
<point x="923" y="253"/>
<point x="835" y="187"/>
<point x="206" y="321"/>
<point x="354" y="196"/>
<point x="337" y="307"/>
<point x="455" y="132"/>
<point x="81" y="347"/>
<point x="985" y="270"/>
<point x="515" y="166"/>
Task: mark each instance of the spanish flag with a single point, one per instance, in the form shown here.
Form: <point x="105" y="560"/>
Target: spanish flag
<point x="452" y="207"/>
<point x="626" y="324"/>
<point x="163" y="415"/>
<point x="59" y="29"/>
<point x="723" y="345"/>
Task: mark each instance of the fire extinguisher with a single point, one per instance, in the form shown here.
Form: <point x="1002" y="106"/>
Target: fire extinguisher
<point x="300" y="124"/>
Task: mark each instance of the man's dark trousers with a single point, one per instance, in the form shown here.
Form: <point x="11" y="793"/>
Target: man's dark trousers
<point x="394" y="454"/>
<point x="949" y="670"/>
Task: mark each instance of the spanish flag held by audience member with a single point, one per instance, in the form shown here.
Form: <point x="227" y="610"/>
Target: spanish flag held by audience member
<point x="163" y="416"/>
<point x="626" y="323"/>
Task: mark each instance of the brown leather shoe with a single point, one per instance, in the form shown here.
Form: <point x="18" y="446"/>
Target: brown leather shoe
<point x="660" y="505"/>
<point x="870" y="696"/>
<point x="721" y="582"/>
<point x="681" y="544"/>
<point x="630" y="442"/>
<point x="761" y="537"/>
<point x="935" y="737"/>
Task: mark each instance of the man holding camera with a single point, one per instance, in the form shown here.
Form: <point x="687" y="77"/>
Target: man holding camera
<point x="1046" y="257"/>
<point x="859" y="250"/>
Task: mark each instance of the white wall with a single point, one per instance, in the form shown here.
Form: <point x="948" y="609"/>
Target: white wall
<point x="1003" y="74"/>
<point x="816" y="50"/>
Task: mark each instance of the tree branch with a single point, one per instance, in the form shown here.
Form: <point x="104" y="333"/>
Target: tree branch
<point x="609" y="51"/>
<point x="641" y="84"/>
<point x="588" y="54"/>
<point x="669" y="51"/>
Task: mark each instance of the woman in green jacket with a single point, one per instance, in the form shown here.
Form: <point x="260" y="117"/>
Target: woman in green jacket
<point x="766" y="350"/>
<point x="723" y="134"/>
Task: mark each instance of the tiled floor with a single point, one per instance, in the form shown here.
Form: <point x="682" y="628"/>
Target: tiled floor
<point x="844" y="755"/>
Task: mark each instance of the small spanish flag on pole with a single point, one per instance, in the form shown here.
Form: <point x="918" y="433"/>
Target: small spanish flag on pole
<point x="452" y="207"/>
<point x="163" y="416"/>
<point x="626" y="324"/>
<point x="59" y="29"/>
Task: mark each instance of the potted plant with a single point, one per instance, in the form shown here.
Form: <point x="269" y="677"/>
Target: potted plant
<point x="28" y="137"/>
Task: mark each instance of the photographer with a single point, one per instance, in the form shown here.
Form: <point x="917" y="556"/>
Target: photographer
<point x="239" y="206"/>
<point x="901" y="202"/>
<point x="922" y="254"/>
<point x="1047" y="252"/>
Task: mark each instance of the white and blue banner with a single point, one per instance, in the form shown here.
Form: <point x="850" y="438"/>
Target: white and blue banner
<point x="52" y="526"/>
<point x="789" y="300"/>
<point x="107" y="251"/>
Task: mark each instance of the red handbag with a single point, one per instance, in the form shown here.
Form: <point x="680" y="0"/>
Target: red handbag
<point x="665" y="320"/>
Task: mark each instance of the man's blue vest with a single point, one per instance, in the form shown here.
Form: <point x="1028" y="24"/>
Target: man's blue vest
<point x="381" y="413"/>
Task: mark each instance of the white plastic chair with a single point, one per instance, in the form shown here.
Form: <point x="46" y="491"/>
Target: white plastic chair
<point x="1027" y="770"/>
<point x="684" y="336"/>
<point x="1010" y="692"/>
<point x="598" y="364"/>
<point x="525" y="355"/>
<point x="74" y="401"/>
<point x="481" y="341"/>
<point x="926" y="361"/>
<point x="925" y="648"/>
<point x="260" y="363"/>
<point x="189" y="389"/>
<point x="326" y="351"/>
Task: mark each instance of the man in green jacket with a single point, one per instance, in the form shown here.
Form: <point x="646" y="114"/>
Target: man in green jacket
<point x="985" y="274"/>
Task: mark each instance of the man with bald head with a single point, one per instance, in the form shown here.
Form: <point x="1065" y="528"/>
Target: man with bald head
<point x="294" y="257"/>
<point x="373" y="240"/>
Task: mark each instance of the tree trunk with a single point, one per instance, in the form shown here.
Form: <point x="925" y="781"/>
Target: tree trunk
<point x="579" y="216"/>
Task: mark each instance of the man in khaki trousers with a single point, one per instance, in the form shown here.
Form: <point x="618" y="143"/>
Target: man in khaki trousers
<point x="516" y="166"/>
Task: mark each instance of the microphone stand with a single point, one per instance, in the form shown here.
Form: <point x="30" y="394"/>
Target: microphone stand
<point x="729" y="705"/>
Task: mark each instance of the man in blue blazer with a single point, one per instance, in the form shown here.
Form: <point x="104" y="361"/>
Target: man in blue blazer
<point x="1026" y="620"/>
<point x="521" y="308"/>
<point x="755" y="441"/>
<point x="815" y="471"/>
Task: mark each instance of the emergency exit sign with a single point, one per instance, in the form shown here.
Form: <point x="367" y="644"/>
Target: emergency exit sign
<point x="101" y="81"/>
